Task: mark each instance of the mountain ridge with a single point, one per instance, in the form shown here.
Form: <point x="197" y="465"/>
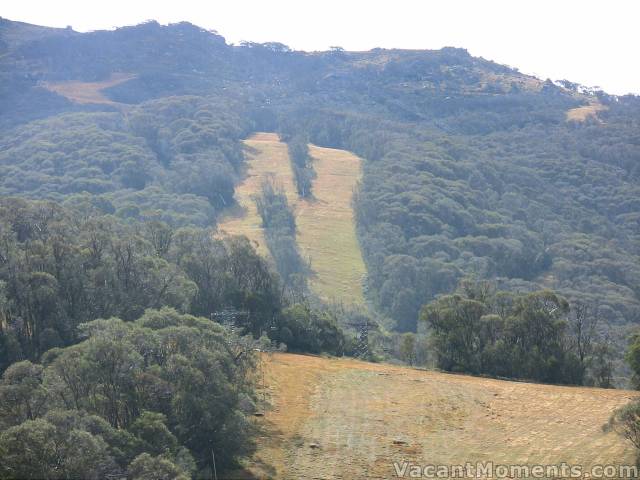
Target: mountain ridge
<point x="469" y="167"/>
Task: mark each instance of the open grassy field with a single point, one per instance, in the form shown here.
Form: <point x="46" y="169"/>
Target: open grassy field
<point x="265" y="156"/>
<point x="326" y="231"/>
<point x="88" y="92"/>
<point x="347" y="419"/>
<point x="326" y="227"/>
<point x="580" y="114"/>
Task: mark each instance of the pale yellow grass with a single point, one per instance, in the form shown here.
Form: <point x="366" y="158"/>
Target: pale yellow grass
<point x="353" y="412"/>
<point x="326" y="233"/>
<point x="326" y="227"/>
<point x="266" y="157"/>
<point x="88" y="92"/>
<point x="580" y="114"/>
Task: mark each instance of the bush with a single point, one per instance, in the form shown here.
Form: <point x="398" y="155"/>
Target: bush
<point x="303" y="329"/>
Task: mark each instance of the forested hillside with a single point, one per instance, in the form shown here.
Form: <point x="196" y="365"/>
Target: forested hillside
<point x="498" y="215"/>
<point x="470" y="168"/>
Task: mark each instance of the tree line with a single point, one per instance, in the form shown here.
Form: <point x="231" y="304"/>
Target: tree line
<point x="533" y="203"/>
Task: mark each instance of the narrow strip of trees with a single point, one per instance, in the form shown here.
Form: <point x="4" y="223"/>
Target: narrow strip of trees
<point x="302" y="165"/>
<point x="279" y="226"/>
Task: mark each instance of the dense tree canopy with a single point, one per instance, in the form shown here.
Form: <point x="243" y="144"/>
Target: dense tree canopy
<point x="59" y="269"/>
<point x="175" y="159"/>
<point x="160" y="393"/>
<point x="532" y="336"/>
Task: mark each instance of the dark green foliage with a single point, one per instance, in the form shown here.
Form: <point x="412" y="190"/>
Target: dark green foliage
<point x="146" y="467"/>
<point x="435" y="206"/>
<point x="633" y="358"/>
<point x="528" y="336"/>
<point x="62" y="267"/>
<point x="59" y="268"/>
<point x="174" y="159"/>
<point x="470" y="167"/>
<point x="301" y="163"/>
<point x="273" y="208"/>
<point x="22" y="396"/>
<point x="228" y="274"/>
<point x="280" y="233"/>
<point x="166" y="385"/>
<point x="151" y="429"/>
<point x="303" y="329"/>
<point x="38" y="449"/>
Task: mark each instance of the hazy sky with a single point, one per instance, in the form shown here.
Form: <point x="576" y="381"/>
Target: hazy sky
<point x="590" y="42"/>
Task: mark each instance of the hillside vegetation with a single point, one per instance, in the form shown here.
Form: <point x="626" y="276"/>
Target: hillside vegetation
<point x="469" y="167"/>
<point x="463" y="215"/>
<point x="325" y="223"/>
<point x="332" y="418"/>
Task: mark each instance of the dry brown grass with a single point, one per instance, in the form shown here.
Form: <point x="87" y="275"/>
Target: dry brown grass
<point x="580" y="114"/>
<point x="88" y="92"/>
<point x="326" y="231"/>
<point x="353" y="411"/>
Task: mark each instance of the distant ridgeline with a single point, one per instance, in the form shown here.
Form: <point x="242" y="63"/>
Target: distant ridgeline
<point x="469" y="167"/>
